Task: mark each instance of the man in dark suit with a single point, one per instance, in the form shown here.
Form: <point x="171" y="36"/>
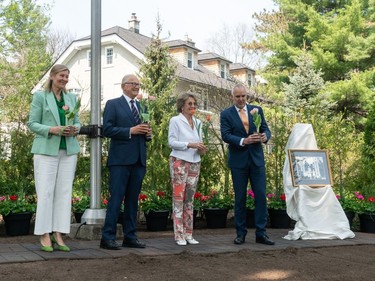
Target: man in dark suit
<point x="246" y="162"/>
<point x="126" y="163"/>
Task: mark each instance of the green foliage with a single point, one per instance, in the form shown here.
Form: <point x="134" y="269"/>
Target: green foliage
<point x="369" y="136"/>
<point x="197" y="201"/>
<point x="155" y="201"/>
<point x="217" y="199"/>
<point x="250" y="200"/>
<point x="80" y="203"/>
<point x="359" y="203"/>
<point x="16" y="161"/>
<point x="339" y="136"/>
<point x="280" y="125"/>
<point x="23" y="60"/>
<point x="276" y="202"/>
<point x="340" y="43"/>
<point x="305" y="83"/>
<point x="367" y="175"/>
<point x="15" y="204"/>
<point x="349" y="202"/>
<point x="23" y="55"/>
<point x="157" y="75"/>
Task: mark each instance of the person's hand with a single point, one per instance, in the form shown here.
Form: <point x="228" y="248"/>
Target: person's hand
<point x="141" y="129"/>
<point x="58" y="130"/>
<point x="69" y="131"/>
<point x="197" y="145"/>
<point x="203" y="150"/>
<point x="263" y="138"/>
<point x="254" y="138"/>
<point x="149" y="133"/>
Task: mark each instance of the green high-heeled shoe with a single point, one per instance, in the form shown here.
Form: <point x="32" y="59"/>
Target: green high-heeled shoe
<point x="63" y="248"/>
<point x="43" y="248"/>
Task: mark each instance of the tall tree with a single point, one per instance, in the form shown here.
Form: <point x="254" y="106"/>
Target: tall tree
<point x="304" y="85"/>
<point x="157" y="75"/>
<point x="58" y="41"/>
<point x="338" y="35"/>
<point x="228" y="43"/>
<point x="23" y="60"/>
<point x="23" y="55"/>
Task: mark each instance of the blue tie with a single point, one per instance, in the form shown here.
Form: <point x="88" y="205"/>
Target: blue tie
<point x="135" y="112"/>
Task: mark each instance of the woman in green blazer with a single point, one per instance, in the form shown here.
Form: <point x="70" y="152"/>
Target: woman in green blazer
<point x="55" y="150"/>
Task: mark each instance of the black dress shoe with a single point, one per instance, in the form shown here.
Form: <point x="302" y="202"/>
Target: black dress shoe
<point x="109" y="245"/>
<point x="264" y="240"/>
<point x="133" y="243"/>
<point x="239" y="240"/>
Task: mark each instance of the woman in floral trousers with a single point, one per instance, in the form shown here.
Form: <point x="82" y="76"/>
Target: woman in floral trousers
<point x="185" y="139"/>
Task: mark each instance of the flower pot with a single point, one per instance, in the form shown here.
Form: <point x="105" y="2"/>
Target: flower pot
<point x="195" y="216"/>
<point x="78" y="216"/>
<point x="216" y="217"/>
<point x="367" y="223"/>
<point x="157" y="220"/>
<point x="250" y="220"/>
<point x="279" y="218"/>
<point x="17" y="224"/>
<point x="350" y="216"/>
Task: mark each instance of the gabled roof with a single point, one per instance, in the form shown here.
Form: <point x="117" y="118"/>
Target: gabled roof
<point x="238" y="66"/>
<point x="211" y="56"/>
<point x="179" y="43"/>
<point x="140" y="42"/>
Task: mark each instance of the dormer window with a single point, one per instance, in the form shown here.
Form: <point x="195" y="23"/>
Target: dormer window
<point x="190" y="60"/>
<point x="250" y="80"/>
<point x="223" y="72"/>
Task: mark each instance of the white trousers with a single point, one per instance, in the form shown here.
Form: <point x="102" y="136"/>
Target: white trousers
<point x="54" y="177"/>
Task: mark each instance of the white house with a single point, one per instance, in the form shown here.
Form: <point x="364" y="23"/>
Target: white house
<point x="122" y="51"/>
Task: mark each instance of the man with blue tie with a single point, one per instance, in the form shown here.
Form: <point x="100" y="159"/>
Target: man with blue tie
<point x="246" y="162"/>
<point x="126" y="163"/>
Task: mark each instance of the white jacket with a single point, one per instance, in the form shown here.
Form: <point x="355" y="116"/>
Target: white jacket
<point x="180" y="134"/>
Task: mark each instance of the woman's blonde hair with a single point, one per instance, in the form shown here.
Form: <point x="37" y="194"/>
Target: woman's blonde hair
<point x="54" y="70"/>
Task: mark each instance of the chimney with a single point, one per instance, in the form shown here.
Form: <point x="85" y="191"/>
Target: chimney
<point x="189" y="41"/>
<point x="134" y="24"/>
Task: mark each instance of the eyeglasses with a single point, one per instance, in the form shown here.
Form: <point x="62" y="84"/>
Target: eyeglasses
<point x="191" y="103"/>
<point x="134" y="84"/>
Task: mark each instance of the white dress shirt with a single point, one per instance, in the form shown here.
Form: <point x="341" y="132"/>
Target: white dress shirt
<point x="180" y="134"/>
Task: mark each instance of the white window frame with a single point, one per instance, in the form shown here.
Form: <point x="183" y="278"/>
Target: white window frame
<point x="109" y="58"/>
<point x="223" y="71"/>
<point x="88" y="56"/>
<point x="190" y="60"/>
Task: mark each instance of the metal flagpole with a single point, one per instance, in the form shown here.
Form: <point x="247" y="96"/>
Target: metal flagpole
<point x="95" y="215"/>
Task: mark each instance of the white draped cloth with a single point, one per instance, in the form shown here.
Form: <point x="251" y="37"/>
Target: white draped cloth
<point x="317" y="212"/>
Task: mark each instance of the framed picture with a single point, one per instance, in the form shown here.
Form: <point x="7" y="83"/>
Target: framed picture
<point x="310" y="167"/>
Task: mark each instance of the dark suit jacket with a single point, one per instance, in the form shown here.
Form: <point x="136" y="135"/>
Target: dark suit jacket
<point x="232" y="130"/>
<point x="117" y="121"/>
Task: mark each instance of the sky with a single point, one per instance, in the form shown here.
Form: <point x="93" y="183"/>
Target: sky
<point x="198" y="19"/>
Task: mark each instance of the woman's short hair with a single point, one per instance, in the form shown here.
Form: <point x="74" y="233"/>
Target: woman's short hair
<point x="54" y="70"/>
<point x="182" y="98"/>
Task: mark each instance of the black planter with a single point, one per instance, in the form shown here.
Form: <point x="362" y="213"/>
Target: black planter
<point x="17" y="224"/>
<point x="77" y="216"/>
<point x="157" y="220"/>
<point x="279" y="218"/>
<point x="367" y="223"/>
<point x="195" y="216"/>
<point x="215" y="217"/>
<point x="250" y="220"/>
<point x="350" y="216"/>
